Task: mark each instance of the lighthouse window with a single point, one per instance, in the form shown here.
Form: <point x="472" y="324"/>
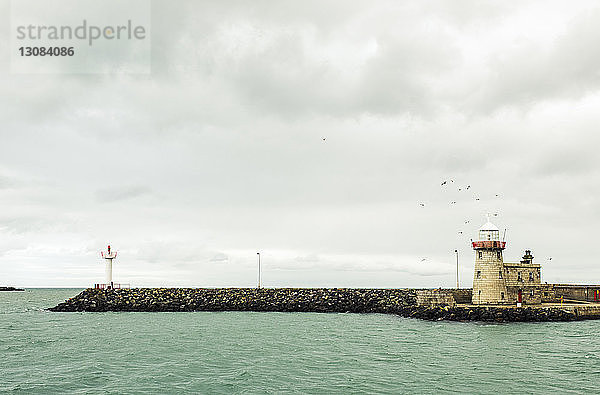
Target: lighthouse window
<point x="499" y="254"/>
<point x="531" y="293"/>
<point x="500" y="274"/>
<point x="530" y="276"/>
<point x="502" y="295"/>
<point x="478" y="273"/>
<point x="480" y="254"/>
<point x="519" y="276"/>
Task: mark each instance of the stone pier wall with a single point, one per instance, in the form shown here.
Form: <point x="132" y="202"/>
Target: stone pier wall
<point x="463" y="295"/>
<point x="435" y="297"/>
<point x="443" y="297"/>
<point x="584" y="293"/>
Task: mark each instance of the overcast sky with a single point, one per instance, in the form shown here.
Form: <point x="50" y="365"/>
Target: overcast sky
<point x="219" y="152"/>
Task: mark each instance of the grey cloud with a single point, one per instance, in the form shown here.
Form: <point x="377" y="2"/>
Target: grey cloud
<point x="291" y="71"/>
<point x="565" y="162"/>
<point x="463" y="13"/>
<point x="530" y="73"/>
<point x="312" y="258"/>
<point x="374" y="263"/>
<point x="220" y="150"/>
<point x="7" y="182"/>
<point x="219" y="258"/>
<point x="116" y="194"/>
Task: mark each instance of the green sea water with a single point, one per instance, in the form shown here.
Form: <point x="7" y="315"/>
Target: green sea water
<point x="242" y="352"/>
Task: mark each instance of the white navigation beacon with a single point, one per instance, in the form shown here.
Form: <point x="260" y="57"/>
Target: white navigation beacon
<point x="108" y="257"/>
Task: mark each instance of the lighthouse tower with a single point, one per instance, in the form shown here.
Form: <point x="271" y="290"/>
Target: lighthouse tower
<point x="108" y="257"/>
<point x="489" y="285"/>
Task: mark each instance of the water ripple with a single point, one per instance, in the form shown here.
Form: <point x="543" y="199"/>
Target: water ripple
<point x="235" y="352"/>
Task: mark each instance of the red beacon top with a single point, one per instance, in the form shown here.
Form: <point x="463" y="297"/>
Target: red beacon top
<point x="109" y="254"/>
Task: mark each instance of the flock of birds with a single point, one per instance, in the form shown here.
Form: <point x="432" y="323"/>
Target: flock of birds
<point x="451" y="184"/>
<point x="460" y="189"/>
<point x="446" y="184"/>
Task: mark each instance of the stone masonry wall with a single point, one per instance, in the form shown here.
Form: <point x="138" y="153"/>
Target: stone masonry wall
<point x="463" y="295"/>
<point x="530" y="286"/>
<point x="488" y="286"/>
<point x="443" y="297"/>
<point x="553" y="292"/>
<point x="435" y="297"/>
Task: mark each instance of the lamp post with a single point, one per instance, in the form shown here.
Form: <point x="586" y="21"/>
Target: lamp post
<point x="258" y="253"/>
<point x="457" y="285"/>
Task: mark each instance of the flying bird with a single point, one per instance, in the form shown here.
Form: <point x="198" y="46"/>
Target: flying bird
<point x="452" y="202"/>
<point x="476" y="198"/>
<point x="468" y="186"/>
<point x="466" y="222"/>
<point x="460" y="232"/>
<point x="444" y="183"/>
<point x="323" y="138"/>
<point x="422" y="204"/>
<point x="424" y="259"/>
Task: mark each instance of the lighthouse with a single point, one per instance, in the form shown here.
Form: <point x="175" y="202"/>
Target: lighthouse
<point x="489" y="286"/>
<point x="108" y="258"/>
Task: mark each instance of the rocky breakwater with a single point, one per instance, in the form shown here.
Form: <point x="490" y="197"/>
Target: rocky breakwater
<point x="401" y="302"/>
<point x="498" y="314"/>
<point x="322" y="300"/>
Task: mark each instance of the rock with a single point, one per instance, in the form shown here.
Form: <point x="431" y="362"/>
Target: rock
<point x="324" y="300"/>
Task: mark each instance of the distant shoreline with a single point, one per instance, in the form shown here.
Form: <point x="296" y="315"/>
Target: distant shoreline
<point x="6" y="289"/>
